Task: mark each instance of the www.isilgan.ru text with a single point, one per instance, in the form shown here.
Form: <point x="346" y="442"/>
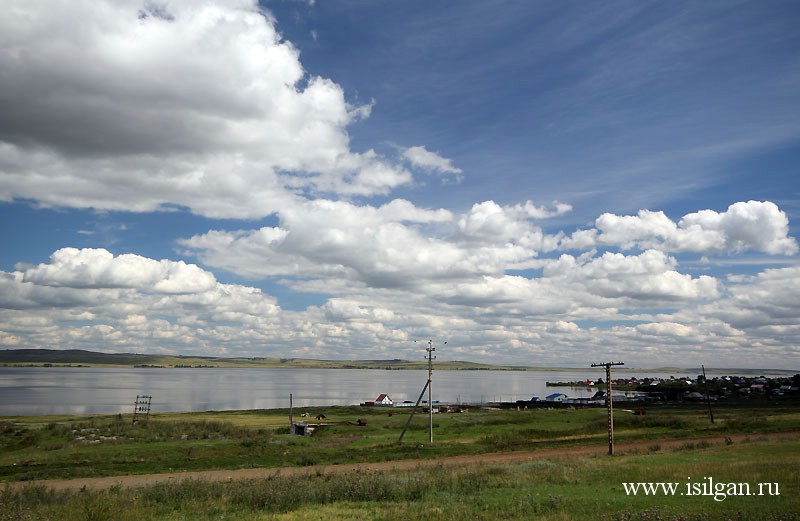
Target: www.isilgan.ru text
<point x="717" y="490"/>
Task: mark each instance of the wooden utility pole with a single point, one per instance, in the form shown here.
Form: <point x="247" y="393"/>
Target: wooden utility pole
<point x="609" y="404"/>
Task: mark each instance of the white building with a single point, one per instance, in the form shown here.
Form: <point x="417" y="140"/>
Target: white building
<point x="383" y="399"/>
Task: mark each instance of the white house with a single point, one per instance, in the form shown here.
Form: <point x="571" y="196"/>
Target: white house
<point x="556" y="397"/>
<point x="383" y="399"/>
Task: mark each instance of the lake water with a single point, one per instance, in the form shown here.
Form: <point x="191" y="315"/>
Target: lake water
<point x="74" y="390"/>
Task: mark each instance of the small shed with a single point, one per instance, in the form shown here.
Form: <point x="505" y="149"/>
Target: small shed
<point x="300" y="429"/>
<point x="383" y="399"/>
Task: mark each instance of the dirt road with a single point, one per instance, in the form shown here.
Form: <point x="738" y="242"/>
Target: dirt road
<point x="491" y="458"/>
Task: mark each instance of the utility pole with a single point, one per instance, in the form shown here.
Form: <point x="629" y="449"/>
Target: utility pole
<point x="430" y="349"/>
<point x="708" y="398"/>
<point x="609" y="404"/>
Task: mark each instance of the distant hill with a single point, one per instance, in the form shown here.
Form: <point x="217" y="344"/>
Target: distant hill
<point x="38" y="357"/>
<point x="70" y="356"/>
<point x="73" y="357"/>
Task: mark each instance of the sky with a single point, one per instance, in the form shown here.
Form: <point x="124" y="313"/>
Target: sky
<point x="534" y="183"/>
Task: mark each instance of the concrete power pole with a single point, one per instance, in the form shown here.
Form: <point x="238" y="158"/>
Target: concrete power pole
<point x="430" y="349"/>
<point x="609" y="404"/>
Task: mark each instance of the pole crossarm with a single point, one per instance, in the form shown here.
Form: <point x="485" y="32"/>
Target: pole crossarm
<point x="603" y="364"/>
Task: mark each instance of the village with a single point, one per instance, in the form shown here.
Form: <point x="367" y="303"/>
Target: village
<point x="384" y="400"/>
<point x="632" y="389"/>
<point x="686" y="389"/>
<point x="551" y="400"/>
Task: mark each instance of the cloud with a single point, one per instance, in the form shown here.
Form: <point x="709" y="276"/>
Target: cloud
<point x="508" y="229"/>
<point x="98" y="268"/>
<point x="540" y="212"/>
<point x="363" y="252"/>
<point x="484" y="279"/>
<point x="377" y="246"/>
<point x="753" y="225"/>
<point x="422" y="158"/>
<point x="201" y="105"/>
<point x="92" y="299"/>
<point x="394" y="245"/>
<point x="766" y="300"/>
<point x="650" y="276"/>
<point x="490" y="222"/>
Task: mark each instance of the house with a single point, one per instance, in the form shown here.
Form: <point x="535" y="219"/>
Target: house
<point x="383" y="399"/>
<point x="556" y="397"/>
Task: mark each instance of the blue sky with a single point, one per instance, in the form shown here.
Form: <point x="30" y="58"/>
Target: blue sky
<point x="539" y="183"/>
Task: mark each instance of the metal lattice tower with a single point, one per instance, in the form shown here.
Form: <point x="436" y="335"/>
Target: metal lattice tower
<point x="141" y="407"/>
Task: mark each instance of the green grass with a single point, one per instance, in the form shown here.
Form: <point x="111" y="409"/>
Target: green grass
<point x="564" y="489"/>
<point x="65" y="447"/>
<point x="551" y="489"/>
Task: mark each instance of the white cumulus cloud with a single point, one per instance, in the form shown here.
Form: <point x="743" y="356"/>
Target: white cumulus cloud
<point x="753" y="225"/>
<point x="98" y="268"/>
<point x="124" y="106"/>
<point x="652" y="275"/>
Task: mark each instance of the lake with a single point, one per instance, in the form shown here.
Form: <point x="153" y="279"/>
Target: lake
<point x="78" y="390"/>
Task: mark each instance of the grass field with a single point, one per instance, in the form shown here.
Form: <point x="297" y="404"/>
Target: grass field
<point x="556" y="488"/>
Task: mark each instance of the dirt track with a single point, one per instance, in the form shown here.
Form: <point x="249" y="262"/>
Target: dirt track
<point x="497" y="457"/>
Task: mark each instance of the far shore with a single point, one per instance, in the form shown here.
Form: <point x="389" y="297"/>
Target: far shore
<point x="91" y="359"/>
